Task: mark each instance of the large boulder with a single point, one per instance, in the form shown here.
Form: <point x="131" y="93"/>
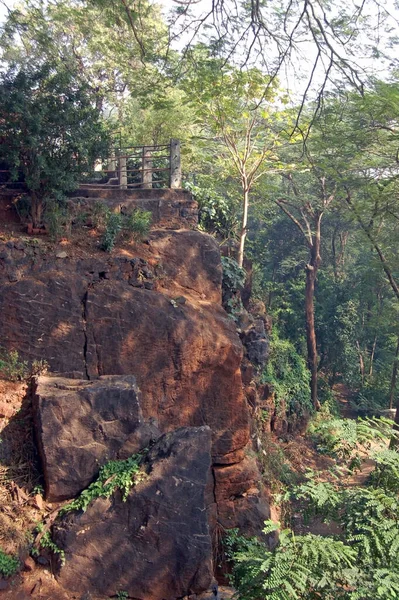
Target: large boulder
<point x="82" y="424"/>
<point x="154" y="546"/>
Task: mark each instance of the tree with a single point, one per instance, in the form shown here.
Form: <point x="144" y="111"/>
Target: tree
<point x="239" y="123"/>
<point x="50" y="132"/>
<point x="308" y="195"/>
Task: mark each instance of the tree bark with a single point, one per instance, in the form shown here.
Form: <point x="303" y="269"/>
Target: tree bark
<point x="394" y="377"/>
<point x="244" y="222"/>
<point x="36" y="210"/>
<point x="311" y="274"/>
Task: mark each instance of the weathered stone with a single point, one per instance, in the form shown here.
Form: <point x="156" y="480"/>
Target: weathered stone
<point x="82" y="316"/>
<point x="256" y="343"/>
<point x="156" y="545"/>
<point x="6" y="410"/>
<point x="3" y="585"/>
<point x="62" y="254"/>
<point x="29" y="564"/>
<point x="82" y="424"/>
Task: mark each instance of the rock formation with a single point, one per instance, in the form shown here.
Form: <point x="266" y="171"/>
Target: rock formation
<point x="156" y="545"/>
<point x="154" y="315"/>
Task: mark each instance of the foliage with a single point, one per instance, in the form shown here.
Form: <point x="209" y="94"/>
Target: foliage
<point x="299" y="566"/>
<point x="50" y="131"/>
<point x="344" y="438"/>
<point x="216" y="208"/>
<point x="288" y="375"/>
<point x="362" y="564"/>
<point x="122" y="595"/>
<point x="114" y="475"/>
<point x="113" y="226"/>
<point x="322" y="497"/>
<point x="8" y="564"/>
<point x="46" y="541"/>
<point x="138" y="223"/>
<point x="11" y="367"/>
<point x="233" y="275"/>
<point x="233" y="282"/>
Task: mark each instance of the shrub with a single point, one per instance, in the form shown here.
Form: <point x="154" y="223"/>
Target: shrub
<point x="232" y="283"/>
<point x="11" y="367"/>
<point x="114" y="475"/>
<point x="138" y="224"/>
<point x="112" y="228"/>
<point x="8" y="564"/>
<point x="289" y="377"/>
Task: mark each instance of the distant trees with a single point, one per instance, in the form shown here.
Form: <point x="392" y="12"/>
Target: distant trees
<point x="50" y="131"/>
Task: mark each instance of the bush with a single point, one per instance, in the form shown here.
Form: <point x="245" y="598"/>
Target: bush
<point x="287" y="373"/>
<point x="11" y="367"/>
<point x="8" y="564"/>
<point x="138" y="223"/>
<point x="233" y="282"/>
<point x="112" y="228"/>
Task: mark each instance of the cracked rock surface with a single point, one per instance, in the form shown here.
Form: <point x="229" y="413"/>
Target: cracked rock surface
<point x="154" y="313"/>
<point x="156" y="545"/>
<point x="82" y="424"/>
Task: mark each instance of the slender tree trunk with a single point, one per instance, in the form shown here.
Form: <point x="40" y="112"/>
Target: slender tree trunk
<point x="36" y="210"/>
<point x="361" y="361"/>
<point x="372" y="357"/>
<point x="310" y="331"/>
<point x="311" y="274"/>
<point x="244" y="222"/>
<point x="394" y="377"/>
<point x="394" y="443"/>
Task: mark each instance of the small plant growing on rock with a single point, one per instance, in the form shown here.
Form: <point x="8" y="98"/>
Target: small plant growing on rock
<point x="114" y="475"/>
<point x="11" y="367"/>
<point x="112" y="229"/>
<point x="8" y="564"/>
<point x="138" y="223"/>
<point x="122" y="595"/>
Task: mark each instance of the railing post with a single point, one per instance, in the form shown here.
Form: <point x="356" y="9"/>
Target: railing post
<point x="122" y="172"/>
<point x="175" y="165"/>
<point x="111" y="167"/>
<point x="146" y="175"/>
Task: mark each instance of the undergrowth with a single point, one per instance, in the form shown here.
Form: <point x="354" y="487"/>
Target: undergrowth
<point x="135" y="226"/>
<point x="361" y="560"/>
<point x="8" y="564"/>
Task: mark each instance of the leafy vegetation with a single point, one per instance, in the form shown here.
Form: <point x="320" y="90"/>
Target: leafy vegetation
<point x="288" y="377"/>
<point x="359" y="562"/>
<point x="8" y="564"/>
<point x="136" y="225"/>
<point x="50" y="132"/>
<point x="11" y="366"/>
<point x="114" y="475"/>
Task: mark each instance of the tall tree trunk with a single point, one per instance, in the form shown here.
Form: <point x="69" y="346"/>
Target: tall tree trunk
<point x="372" y="357"/>
<point x="361" y="361"/>
<point x="244" y="222"/>
<point x="36" y="210"/>
<point x="394" y="377"/>
<point x="394" y="443"/>
<point x="311" y="274"/>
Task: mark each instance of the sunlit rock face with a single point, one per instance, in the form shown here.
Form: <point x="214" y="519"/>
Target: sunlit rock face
<point x="153" y="313"/>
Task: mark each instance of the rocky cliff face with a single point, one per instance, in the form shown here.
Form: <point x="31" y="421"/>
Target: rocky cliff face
<point x="154" y="314"/>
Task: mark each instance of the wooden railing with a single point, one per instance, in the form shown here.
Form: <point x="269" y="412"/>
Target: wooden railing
<point x="142" y="167"/>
